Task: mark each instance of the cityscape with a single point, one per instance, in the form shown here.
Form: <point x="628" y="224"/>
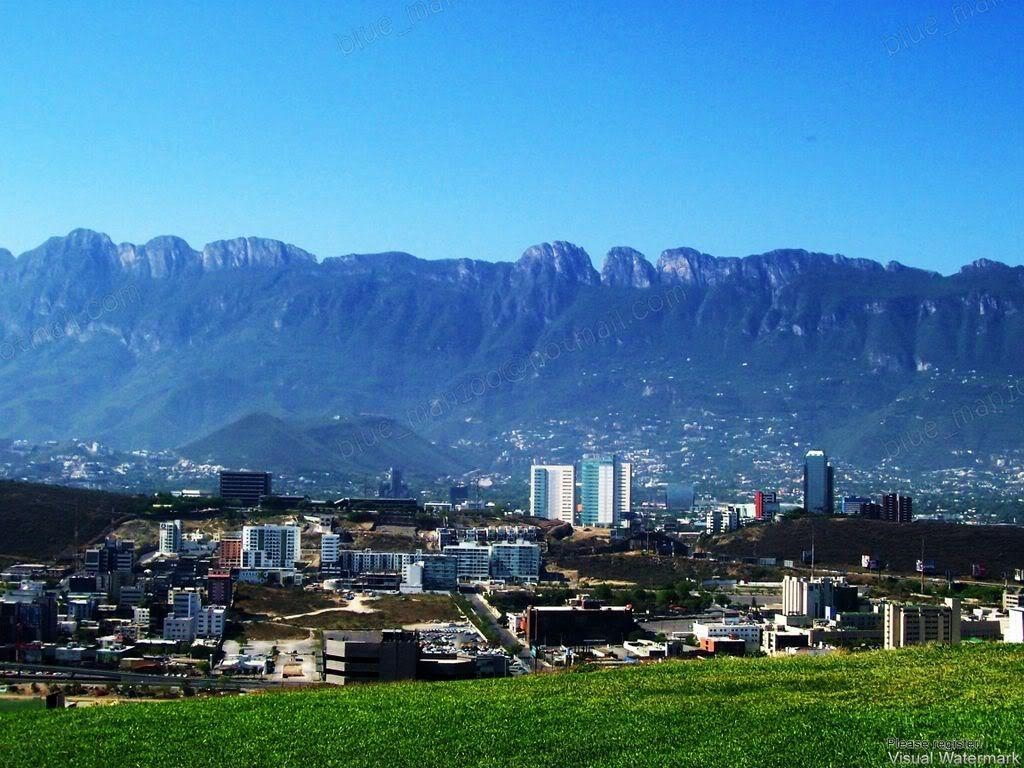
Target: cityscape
<point x="526" y="385"/>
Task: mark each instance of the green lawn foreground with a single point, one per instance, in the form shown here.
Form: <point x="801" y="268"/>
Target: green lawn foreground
<point x="837" y="711"/>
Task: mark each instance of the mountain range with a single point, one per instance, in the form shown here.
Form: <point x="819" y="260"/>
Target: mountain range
<point x="160" y="345"/>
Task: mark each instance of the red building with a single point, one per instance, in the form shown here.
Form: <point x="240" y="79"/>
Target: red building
<point x="229" y="552"/>
<point x="766" y="505"/>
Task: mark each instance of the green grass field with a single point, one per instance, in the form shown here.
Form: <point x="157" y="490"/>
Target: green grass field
<point x="829" y="711"/>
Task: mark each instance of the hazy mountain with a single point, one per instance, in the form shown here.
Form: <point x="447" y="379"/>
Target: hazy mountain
<point x="364" y="445"/>
<point x="159" y="344"/>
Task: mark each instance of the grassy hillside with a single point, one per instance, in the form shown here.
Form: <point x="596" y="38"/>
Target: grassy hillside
<point x="842" y="541"/>
<point x="833" y="711"/>
<point x="38" y="521"/>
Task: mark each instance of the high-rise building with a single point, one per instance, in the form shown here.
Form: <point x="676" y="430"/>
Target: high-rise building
<point x="170" y="537"/>
<point x="330" y="545"/>
<point x="819" y="483"/>
<point x="897" y="508"/>
<point x="270" y="546"/>
<point x="766" y="505"/>
<point x="606" y="491"/>
<point x="245" y="487"/>
<point x="392" y="487"/>
<point x="553" y="491"/>
<point x="920" y="624"/>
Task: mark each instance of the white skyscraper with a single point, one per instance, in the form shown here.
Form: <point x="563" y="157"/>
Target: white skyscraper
<point x="553" y="491"/>
<point x="170" y="537"/>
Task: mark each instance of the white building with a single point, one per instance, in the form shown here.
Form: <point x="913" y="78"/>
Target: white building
<point x="179" y="628"/>
<point x="140" y="617"/>
<point x="721" y="519"/>
<point x="210" y="621"/>
<point x="270" y="546"/>
<point x="553" y="491"/>
<point x="1015" y="627"/>
<point x="170" y="537"/>
<point x="747" y="632"/>
<point x="330" y="546"/>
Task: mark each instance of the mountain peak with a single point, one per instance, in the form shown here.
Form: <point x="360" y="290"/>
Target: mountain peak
<point x="627" y="267"/>
<point x="559" y="259"/>
<point x="253" y="252"/>
<point x="984" y="265"/>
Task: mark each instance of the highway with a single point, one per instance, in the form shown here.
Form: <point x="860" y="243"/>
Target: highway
<point x="11" y="672"/>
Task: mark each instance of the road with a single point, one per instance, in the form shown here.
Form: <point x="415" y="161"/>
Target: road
<point x="15" y="672"/>
<point x="509" y="641"/>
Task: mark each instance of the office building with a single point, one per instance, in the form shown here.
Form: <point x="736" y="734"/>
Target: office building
<point x="370" y="657"/>
<point x="170" y="537"/>
<point x="582" y="622"/>
<point x="553" y="491"/>
<point x="113" y="556"/>
<point x="766" y="505"/>
<point x="270" y="546"/>
<point x="606" y="491"/>
<point x="897" y="508"/>
<point x="679" y="497"/>
<point x="819" y="483"/>
<point x="855" y="505"/>
<point x="246" y="488"/>
<point x="919" y="624"/>
<point x="517" y="562"/>
<point x="817" y="598"/>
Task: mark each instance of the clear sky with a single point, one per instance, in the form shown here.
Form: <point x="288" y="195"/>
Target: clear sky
<point x="475" y="128"/>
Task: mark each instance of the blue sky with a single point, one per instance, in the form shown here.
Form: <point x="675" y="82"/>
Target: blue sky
<point x="884" y="131"/>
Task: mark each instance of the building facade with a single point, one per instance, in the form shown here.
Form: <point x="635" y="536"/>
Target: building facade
<point x="605" y="491"/>
<point x="170" y="537"/>
<point x="553" y="492"/>
<point x="270" y="546"/>
<point x="245" y="487"/>
<point x="819" y="483"/>
<point x="919" y="624"/>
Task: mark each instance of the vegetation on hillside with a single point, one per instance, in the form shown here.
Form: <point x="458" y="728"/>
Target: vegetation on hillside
<point x="836" y="711"/>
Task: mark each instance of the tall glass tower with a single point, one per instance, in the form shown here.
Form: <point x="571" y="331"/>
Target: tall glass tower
<point x="819" y="490"/>
<point x="606" y="491"/>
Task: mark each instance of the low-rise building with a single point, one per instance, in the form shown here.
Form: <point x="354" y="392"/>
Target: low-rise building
<point x="919" y="624"/>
